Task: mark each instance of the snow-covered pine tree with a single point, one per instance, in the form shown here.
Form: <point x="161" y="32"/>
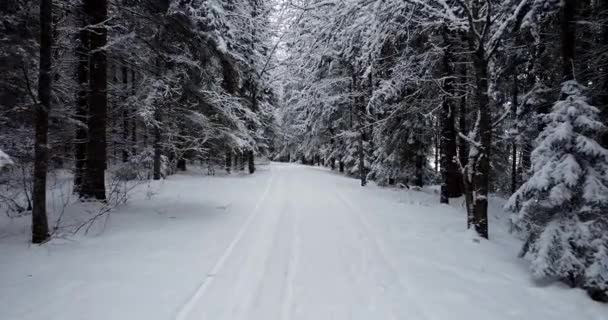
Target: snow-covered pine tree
<point x="563" y="208"/>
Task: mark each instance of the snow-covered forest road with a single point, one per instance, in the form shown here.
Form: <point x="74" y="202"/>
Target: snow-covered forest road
<point x="290" y="242"/>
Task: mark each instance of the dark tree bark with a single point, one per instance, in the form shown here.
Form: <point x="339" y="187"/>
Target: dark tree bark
<point x="451" y="184"/>
<point x="125" y="117"/>
<point x="228" y="165"/>
<point x="462" y="117"/>
<point x="94" y="175"/>
<point x="251" y="161"/>
<point x="82" y="108"/>
<point x="133" y="117"/>
<point x="419" y="161"/>
<point x="181" y="164"/>
<point x="481" y="175"/>
<point x="341" y="165"/>
<point x="568" y="38"/>
<point x="40" y="227"/>
<point x="514" y="104"/>
<point x="156" y="166"/>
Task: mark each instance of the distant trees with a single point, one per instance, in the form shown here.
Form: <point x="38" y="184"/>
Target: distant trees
<point x="384" y="87"/>
<point x="137" y="89"/>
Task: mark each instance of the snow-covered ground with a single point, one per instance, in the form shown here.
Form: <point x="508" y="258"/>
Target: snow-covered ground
<point x="290" y="242"/>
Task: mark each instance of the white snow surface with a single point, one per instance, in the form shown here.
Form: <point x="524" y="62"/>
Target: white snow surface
<point x="290" y="242"/>
<point x="5" y="160"/>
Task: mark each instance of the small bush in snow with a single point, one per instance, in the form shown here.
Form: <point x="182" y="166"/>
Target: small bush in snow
<point x="563" y="207"/>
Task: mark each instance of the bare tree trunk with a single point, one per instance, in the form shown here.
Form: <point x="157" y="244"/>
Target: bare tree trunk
<point x="451" y="184"/>
<point x="94" y="177"/>
<point x="125" y="116"/>
<point x="133" y="116"/>
<point x="82" y="109"/>
<point x="568" y="38"/>
<point x="40" y="227"/>
<point x="251" y="161"/>
<point x="482" y="172"/>
<point x="156" y="167"/>
<point x="228" y="162"/>
<point x="420" y="159"/>
<point x="514" y="104"/>
<point x="462" y="118"/>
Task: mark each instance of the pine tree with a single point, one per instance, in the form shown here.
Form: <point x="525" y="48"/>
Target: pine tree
<point x="563" y="207"/>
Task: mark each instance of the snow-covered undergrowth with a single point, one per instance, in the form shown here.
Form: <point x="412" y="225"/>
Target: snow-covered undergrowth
<point x="290" y="242"/>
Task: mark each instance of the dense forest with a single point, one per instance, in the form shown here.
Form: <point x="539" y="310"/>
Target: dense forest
<point x="481" y="97"/>
<point x="134" y="88"/>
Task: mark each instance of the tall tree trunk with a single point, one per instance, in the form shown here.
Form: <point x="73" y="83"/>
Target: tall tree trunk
<point x="568" y="38"/>
<point x="40" y="227"/>
<point x="462" y="118"/>
<point x="603" y="98"/>
<point x="451" y="184"/>
<point x="94" y="177"/>
<point x="156" y="166"/>
<point x="514" y="107"/>
<point x="125" y="116"/>
<point x="82" y="109"/>
<point x="133" y="117"/>
<point x="482" y="172"/>
<point x="419" y="161"/>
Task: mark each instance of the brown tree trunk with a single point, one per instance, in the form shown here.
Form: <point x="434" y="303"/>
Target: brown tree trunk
<point x="94" y="173"/>
<point x="40" y="227"/>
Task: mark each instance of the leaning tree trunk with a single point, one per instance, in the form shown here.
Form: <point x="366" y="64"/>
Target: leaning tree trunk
<point x="82" y="109"/>
<point x="94" y="173"/>
<point x="40" y="227"/>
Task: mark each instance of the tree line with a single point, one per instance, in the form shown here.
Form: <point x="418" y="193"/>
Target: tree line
<point x="131" y="89"/>
<point x="481" y="97"/>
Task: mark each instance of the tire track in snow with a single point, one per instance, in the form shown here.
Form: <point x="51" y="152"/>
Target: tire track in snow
<point x="294" y="260"/>
<point x="186" y="308"/>
<point x="379" y="247"/>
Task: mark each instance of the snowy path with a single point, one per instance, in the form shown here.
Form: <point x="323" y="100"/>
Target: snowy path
<point x="289" y="243"/>
<point x="305" y="255"/>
